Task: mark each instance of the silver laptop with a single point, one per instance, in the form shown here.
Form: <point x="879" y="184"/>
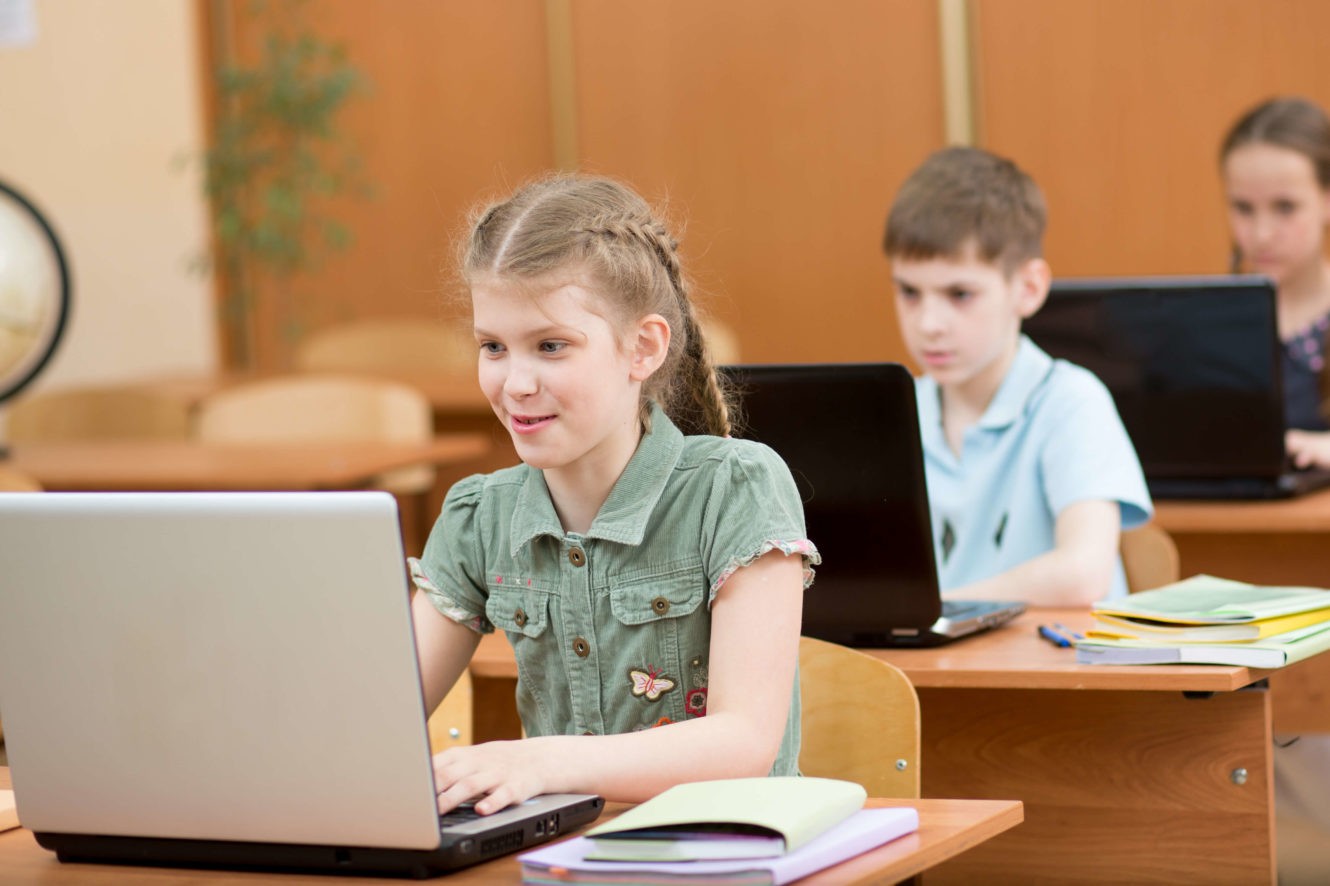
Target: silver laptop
<point x="227" y="679"/>
<point x="850" y="435"/>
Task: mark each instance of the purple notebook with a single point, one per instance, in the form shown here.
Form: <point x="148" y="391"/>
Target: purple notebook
<point x="868" y="828"/>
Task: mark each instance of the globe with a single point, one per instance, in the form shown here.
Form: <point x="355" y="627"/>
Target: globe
<point x="34" y="292"/>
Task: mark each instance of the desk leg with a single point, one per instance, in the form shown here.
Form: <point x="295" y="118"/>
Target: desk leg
<point x="1118" y="786"/>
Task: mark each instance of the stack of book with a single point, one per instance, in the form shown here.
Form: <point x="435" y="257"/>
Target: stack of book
<point x="1208" y="620"/>
<point x="730" y="831"/>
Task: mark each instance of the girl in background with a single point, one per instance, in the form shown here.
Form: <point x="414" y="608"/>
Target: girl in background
<point x="647" y="569"/>
<point x="1276" y="170"/>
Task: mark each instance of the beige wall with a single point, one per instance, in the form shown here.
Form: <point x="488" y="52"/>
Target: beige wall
<point x="92" y="116"/>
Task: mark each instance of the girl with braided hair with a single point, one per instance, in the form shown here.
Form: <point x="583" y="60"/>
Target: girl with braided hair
<point x="647" y="568"/>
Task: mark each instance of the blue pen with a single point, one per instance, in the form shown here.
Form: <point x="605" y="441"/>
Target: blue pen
<point x="1068" y="632"/>
<point x="1053" y="637"/>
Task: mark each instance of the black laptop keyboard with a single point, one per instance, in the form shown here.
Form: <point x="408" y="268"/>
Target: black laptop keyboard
<point x="459" y="815"/>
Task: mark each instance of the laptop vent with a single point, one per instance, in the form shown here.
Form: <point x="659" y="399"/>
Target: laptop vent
<point x="502" y="843"/>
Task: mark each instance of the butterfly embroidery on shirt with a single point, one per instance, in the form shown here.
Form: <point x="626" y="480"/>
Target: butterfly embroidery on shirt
<point x="651" y="683"/>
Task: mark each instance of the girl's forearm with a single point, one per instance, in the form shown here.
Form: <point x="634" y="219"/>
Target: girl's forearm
<point x="633" y="767"/>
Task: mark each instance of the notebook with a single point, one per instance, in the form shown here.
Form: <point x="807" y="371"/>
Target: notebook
<point x="850" y="434"/>
<point x="227" y="679"/>
<point x="1194" y="366"/>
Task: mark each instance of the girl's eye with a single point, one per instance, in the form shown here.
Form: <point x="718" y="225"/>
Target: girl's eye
<point x="1285" y="207"/>
<point x="552" y="347"/>
<point x="1240" y="208"/>
<point x="961" y="294"/>
<point x="491" y="348"/>
<point x="908" y="293"/>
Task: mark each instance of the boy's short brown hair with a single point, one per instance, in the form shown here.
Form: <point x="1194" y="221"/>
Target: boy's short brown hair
<point x="962" y="195"/>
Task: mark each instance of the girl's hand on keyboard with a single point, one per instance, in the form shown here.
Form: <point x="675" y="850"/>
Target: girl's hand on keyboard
<point x="495" y="775"/>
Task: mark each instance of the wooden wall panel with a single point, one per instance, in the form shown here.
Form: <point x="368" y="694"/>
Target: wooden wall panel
<point x="458" y="109"/>
<point x="779" y="131"/>
<point x="1117" y="108"/>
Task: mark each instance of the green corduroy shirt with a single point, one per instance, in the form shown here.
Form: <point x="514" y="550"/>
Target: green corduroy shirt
<point x="612" y="628"/>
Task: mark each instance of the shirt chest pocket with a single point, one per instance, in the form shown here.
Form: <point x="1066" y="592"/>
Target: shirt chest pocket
<point x="656" y="598"/>
<point x="524" y="611"/>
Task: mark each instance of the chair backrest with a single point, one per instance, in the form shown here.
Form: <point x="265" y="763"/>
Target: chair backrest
<point x="16" y="481"/>
<point x="98" y="413"/>
<point x="722" y="340"/>
<point x="1149" y="557"/>
<point x="860" y="720"/>
<point x="322" y="408"/>
<point x="387" y="345"/>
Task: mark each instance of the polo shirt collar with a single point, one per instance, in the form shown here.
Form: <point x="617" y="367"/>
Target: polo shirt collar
<point x="627" y="511"/>
<point x="1027" y="372"/>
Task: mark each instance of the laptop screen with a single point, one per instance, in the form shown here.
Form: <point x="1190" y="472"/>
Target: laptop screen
<point x="1192" y="363"/>
<point x="850" y="435"/>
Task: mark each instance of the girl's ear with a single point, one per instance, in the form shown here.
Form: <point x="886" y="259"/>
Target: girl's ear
<point x="1033" y="279"/>
<point x="650" y="345"/>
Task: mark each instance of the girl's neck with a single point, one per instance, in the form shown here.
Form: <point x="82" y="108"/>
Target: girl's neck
<point x="579" y="490"/>
<point x="1303" y="298"/>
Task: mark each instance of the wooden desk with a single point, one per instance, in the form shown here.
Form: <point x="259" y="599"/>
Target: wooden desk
<point x="946" y="829"/>
<point x="1126" y="773"/>
<point x="1285" y="542"/>
<point x="456" y="398"/>
<point x="179" y="465"/>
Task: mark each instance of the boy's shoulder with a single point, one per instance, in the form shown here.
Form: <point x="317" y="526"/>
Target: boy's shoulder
<point x="1037" y="383"/>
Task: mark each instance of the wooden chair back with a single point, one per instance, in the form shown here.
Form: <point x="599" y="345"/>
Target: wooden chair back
<point x="1149" y="557"/>
<point x="12" y="480"/>
<point x="322" y="408"/>
<point x="722" y="340"/>
<point x="98" y="413"/>
<point x="860" y="720"/>
<point x="388" y="345"/>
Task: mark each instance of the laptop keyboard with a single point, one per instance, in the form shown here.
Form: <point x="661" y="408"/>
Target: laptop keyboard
<point x="958" y="609"/>
<point x="463" y="814"/>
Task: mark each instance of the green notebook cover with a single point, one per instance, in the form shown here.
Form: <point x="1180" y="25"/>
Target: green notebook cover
<point x="1204" y="599"/>
<point x="792" y="807"/>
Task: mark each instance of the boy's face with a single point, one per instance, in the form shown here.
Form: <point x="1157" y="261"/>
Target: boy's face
<point x="961" y="316"/>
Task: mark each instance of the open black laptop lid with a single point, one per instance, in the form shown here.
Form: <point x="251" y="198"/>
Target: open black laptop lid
<point x="850" y="434"/>
<point x="1192" y="363"/>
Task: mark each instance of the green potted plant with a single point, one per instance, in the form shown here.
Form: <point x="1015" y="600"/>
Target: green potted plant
<point x="274" y="161"/>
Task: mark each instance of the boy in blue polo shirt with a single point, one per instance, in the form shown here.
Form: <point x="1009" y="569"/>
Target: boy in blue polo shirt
<point x="1031" y="476"/>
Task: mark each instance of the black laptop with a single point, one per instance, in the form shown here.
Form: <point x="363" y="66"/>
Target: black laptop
<point x="228" y="680"/>
<point x="1194" y="367"/>
<point x="850" y="434"/>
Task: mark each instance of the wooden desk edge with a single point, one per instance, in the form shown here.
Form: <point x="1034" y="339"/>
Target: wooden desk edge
<point x="494" y="660"/>
<point x="1000" y="816"/>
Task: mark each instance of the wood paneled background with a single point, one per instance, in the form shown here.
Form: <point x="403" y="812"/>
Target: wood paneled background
<point x="778" y="131"/>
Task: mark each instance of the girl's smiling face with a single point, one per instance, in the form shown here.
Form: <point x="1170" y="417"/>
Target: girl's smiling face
<point x="564" y="381"/>
<point x="1277" y="210"/>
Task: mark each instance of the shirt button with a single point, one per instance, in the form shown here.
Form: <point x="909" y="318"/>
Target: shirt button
<point x="660" y="606"/>
<point x="520" y="617"/>
<point x="581" y="647"/>
<point x="576" y="557"/>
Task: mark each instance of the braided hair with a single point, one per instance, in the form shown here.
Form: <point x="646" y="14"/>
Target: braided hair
<point x="604" y="229"/>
